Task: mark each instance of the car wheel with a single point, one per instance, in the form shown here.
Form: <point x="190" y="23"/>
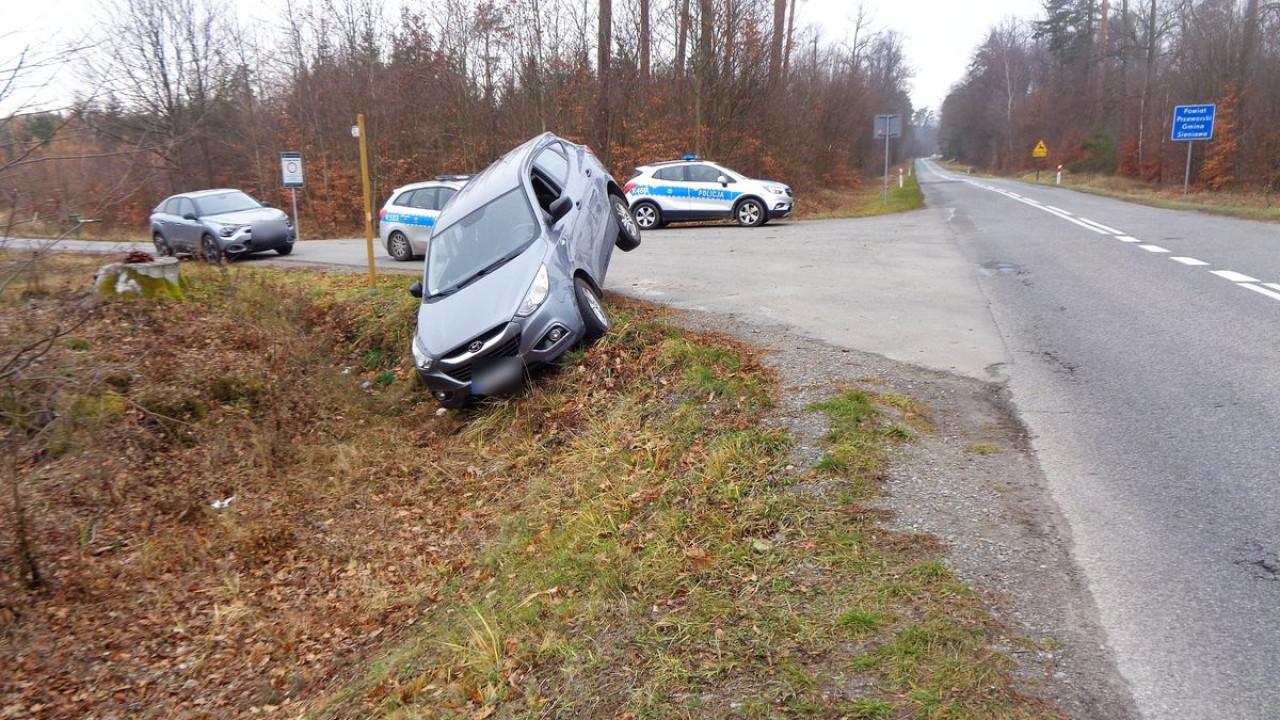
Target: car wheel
<point x="211" y="250"/>
<point x="594" y="318"/>
<point x="628" y="231"/>
<point x="285" y="249"/>
<point x="162" y="246"/>
<point x="749" y="213"/>
<point x="647" y="216"/>
<point x="398" y="247"/>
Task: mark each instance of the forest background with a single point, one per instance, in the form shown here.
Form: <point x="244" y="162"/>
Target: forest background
<point x="181" y="95"/>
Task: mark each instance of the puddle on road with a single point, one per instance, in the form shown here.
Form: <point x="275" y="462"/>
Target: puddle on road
<point x="1000" y="267"/>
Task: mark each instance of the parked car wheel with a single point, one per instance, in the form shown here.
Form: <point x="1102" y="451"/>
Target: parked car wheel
<point x="591" y="308"/>
<point x="628" y="231"/>
<point x="284" y="249"/>
<point x="750" y="213"/>
<point x="398" y="247"/>
<point x="211" y="251"/>
<point x="162" y="246"/>
<point x="647" y="215"/>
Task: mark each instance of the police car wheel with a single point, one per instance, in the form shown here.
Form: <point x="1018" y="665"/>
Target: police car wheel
<point x="594" y="318"/>
<point x="628" y="231"/>
<point x="647" y="216"/>
<point x="398" y="247"/>
<point x="749" y="213"/>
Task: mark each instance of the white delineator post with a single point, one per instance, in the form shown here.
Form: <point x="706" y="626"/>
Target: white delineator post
<point x="1058" y="181"/>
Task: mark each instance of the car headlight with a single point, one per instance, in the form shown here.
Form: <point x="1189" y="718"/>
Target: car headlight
<point x="421" y="359"/>
<point x="776" y="189"/>
<point x="537" y="293"/>
<point x="229" y="230"/>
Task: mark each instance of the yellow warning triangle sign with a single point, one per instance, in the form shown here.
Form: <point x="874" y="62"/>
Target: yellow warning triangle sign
<point x="1040" y="151"/>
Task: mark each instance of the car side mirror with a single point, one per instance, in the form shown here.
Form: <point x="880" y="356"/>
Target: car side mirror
<point x="264" y="203"/>
<point x="559" y="208"/>
<point x="723" y="180"/>
<point x="416" y="290"/>
<point x="188" y="216"/>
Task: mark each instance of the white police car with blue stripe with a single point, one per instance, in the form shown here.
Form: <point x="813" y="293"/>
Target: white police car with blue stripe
<point x="406" y="221"/>
<point x="696" y="189"/>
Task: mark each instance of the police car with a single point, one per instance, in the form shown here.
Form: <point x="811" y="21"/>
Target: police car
<point x="697" y="189"/>
<point x="405" y="222"/>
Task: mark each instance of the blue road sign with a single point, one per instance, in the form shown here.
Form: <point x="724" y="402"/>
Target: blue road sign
<point x="1193" y="122"/>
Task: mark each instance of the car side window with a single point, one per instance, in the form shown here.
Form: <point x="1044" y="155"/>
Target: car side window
<point x="445" y="195"/>
<point x="552" y="162"/>
<point x="550" y="170"/>
<point x="169" y="207"/>
<point x="424" y="199"/>
<point x="185" y="206"/>
<point x="404" y="198"/>
<point x="670" y="173"/>
<point x="703" y="173"/>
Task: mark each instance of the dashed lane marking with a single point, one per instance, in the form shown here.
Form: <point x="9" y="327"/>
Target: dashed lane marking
<point x="1234" y="276"/>
<point x="1189" y="261"/>
<point x="1126" y="238"/>
<point x="1269" y="293"/>
<point x="1153" y="248"/>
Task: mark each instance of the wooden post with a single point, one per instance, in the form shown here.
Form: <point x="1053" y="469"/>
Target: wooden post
<point x="368" y="202"/>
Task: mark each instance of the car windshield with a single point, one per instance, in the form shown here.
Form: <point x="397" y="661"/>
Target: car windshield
<point x="227" y="202"/>
<point x="480" y="242"/>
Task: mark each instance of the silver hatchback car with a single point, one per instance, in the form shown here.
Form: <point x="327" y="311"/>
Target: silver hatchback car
<point x="219" y="224"/>
<point x="406" y="221"/>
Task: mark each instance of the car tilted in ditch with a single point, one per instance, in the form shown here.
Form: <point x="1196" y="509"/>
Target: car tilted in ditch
<point x="515" y="268"/>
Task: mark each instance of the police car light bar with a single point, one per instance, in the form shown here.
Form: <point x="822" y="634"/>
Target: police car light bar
<point x="692" y="157"/>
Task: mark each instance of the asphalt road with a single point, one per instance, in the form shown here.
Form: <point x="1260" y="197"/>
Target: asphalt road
<point x="1146" y="350"/>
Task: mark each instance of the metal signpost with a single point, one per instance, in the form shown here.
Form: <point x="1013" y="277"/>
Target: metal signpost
<point x="1191" y="123"/>
<point x="887" y="126"/>
<point x="357" y="131"/>
<point x="291" y="171"/>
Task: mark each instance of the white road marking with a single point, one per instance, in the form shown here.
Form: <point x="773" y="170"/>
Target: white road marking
<point x="1272" y="290"/>
<point x="1100" y="226"/>
<point x="1234" y="276"/>
<point x="1269" y="293"/>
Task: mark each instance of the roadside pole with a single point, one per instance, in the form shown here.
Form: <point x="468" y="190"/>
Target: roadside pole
<point x="887" y="126"/>
<point x="1191" y="123"/>
<point x="358" y="131"/>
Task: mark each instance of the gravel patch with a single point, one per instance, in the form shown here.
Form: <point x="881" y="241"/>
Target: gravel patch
<point x="973" y="482"/>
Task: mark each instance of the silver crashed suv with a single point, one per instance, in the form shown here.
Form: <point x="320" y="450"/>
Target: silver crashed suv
<point x="219" y="225"/>
<point x="515" y="268"/>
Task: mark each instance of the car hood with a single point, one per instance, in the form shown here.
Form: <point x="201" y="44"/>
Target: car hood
<point x="771" y="182"/>
<point x="446" y="323"/>
<point x="246" y="217"/>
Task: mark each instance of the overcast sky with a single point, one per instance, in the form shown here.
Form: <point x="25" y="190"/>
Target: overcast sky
<point x="939" y="35"/>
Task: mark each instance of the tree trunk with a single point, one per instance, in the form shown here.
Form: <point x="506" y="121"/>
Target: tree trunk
<point x="1145" y="105"/>
<point x="775" y="47"/>
<point x="786" y="52"/>
<point x="682" y="38"/>
<point x="604" y="44"/>
<point x="644" y="41"/>
<point x="1101" y="50"/>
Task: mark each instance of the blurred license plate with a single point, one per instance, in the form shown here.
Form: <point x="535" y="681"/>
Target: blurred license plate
<point x="496" y="375"/>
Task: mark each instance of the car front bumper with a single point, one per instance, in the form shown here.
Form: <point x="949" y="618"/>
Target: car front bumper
<point x="540" y="338"/>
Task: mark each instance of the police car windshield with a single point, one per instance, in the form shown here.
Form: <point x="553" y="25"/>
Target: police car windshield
<point x="227" y="202"/>
<point x="480" y="242"/>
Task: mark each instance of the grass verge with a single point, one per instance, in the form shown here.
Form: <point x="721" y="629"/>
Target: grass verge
<point x="864" y="201"/>
<point x="619" y="540"/>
